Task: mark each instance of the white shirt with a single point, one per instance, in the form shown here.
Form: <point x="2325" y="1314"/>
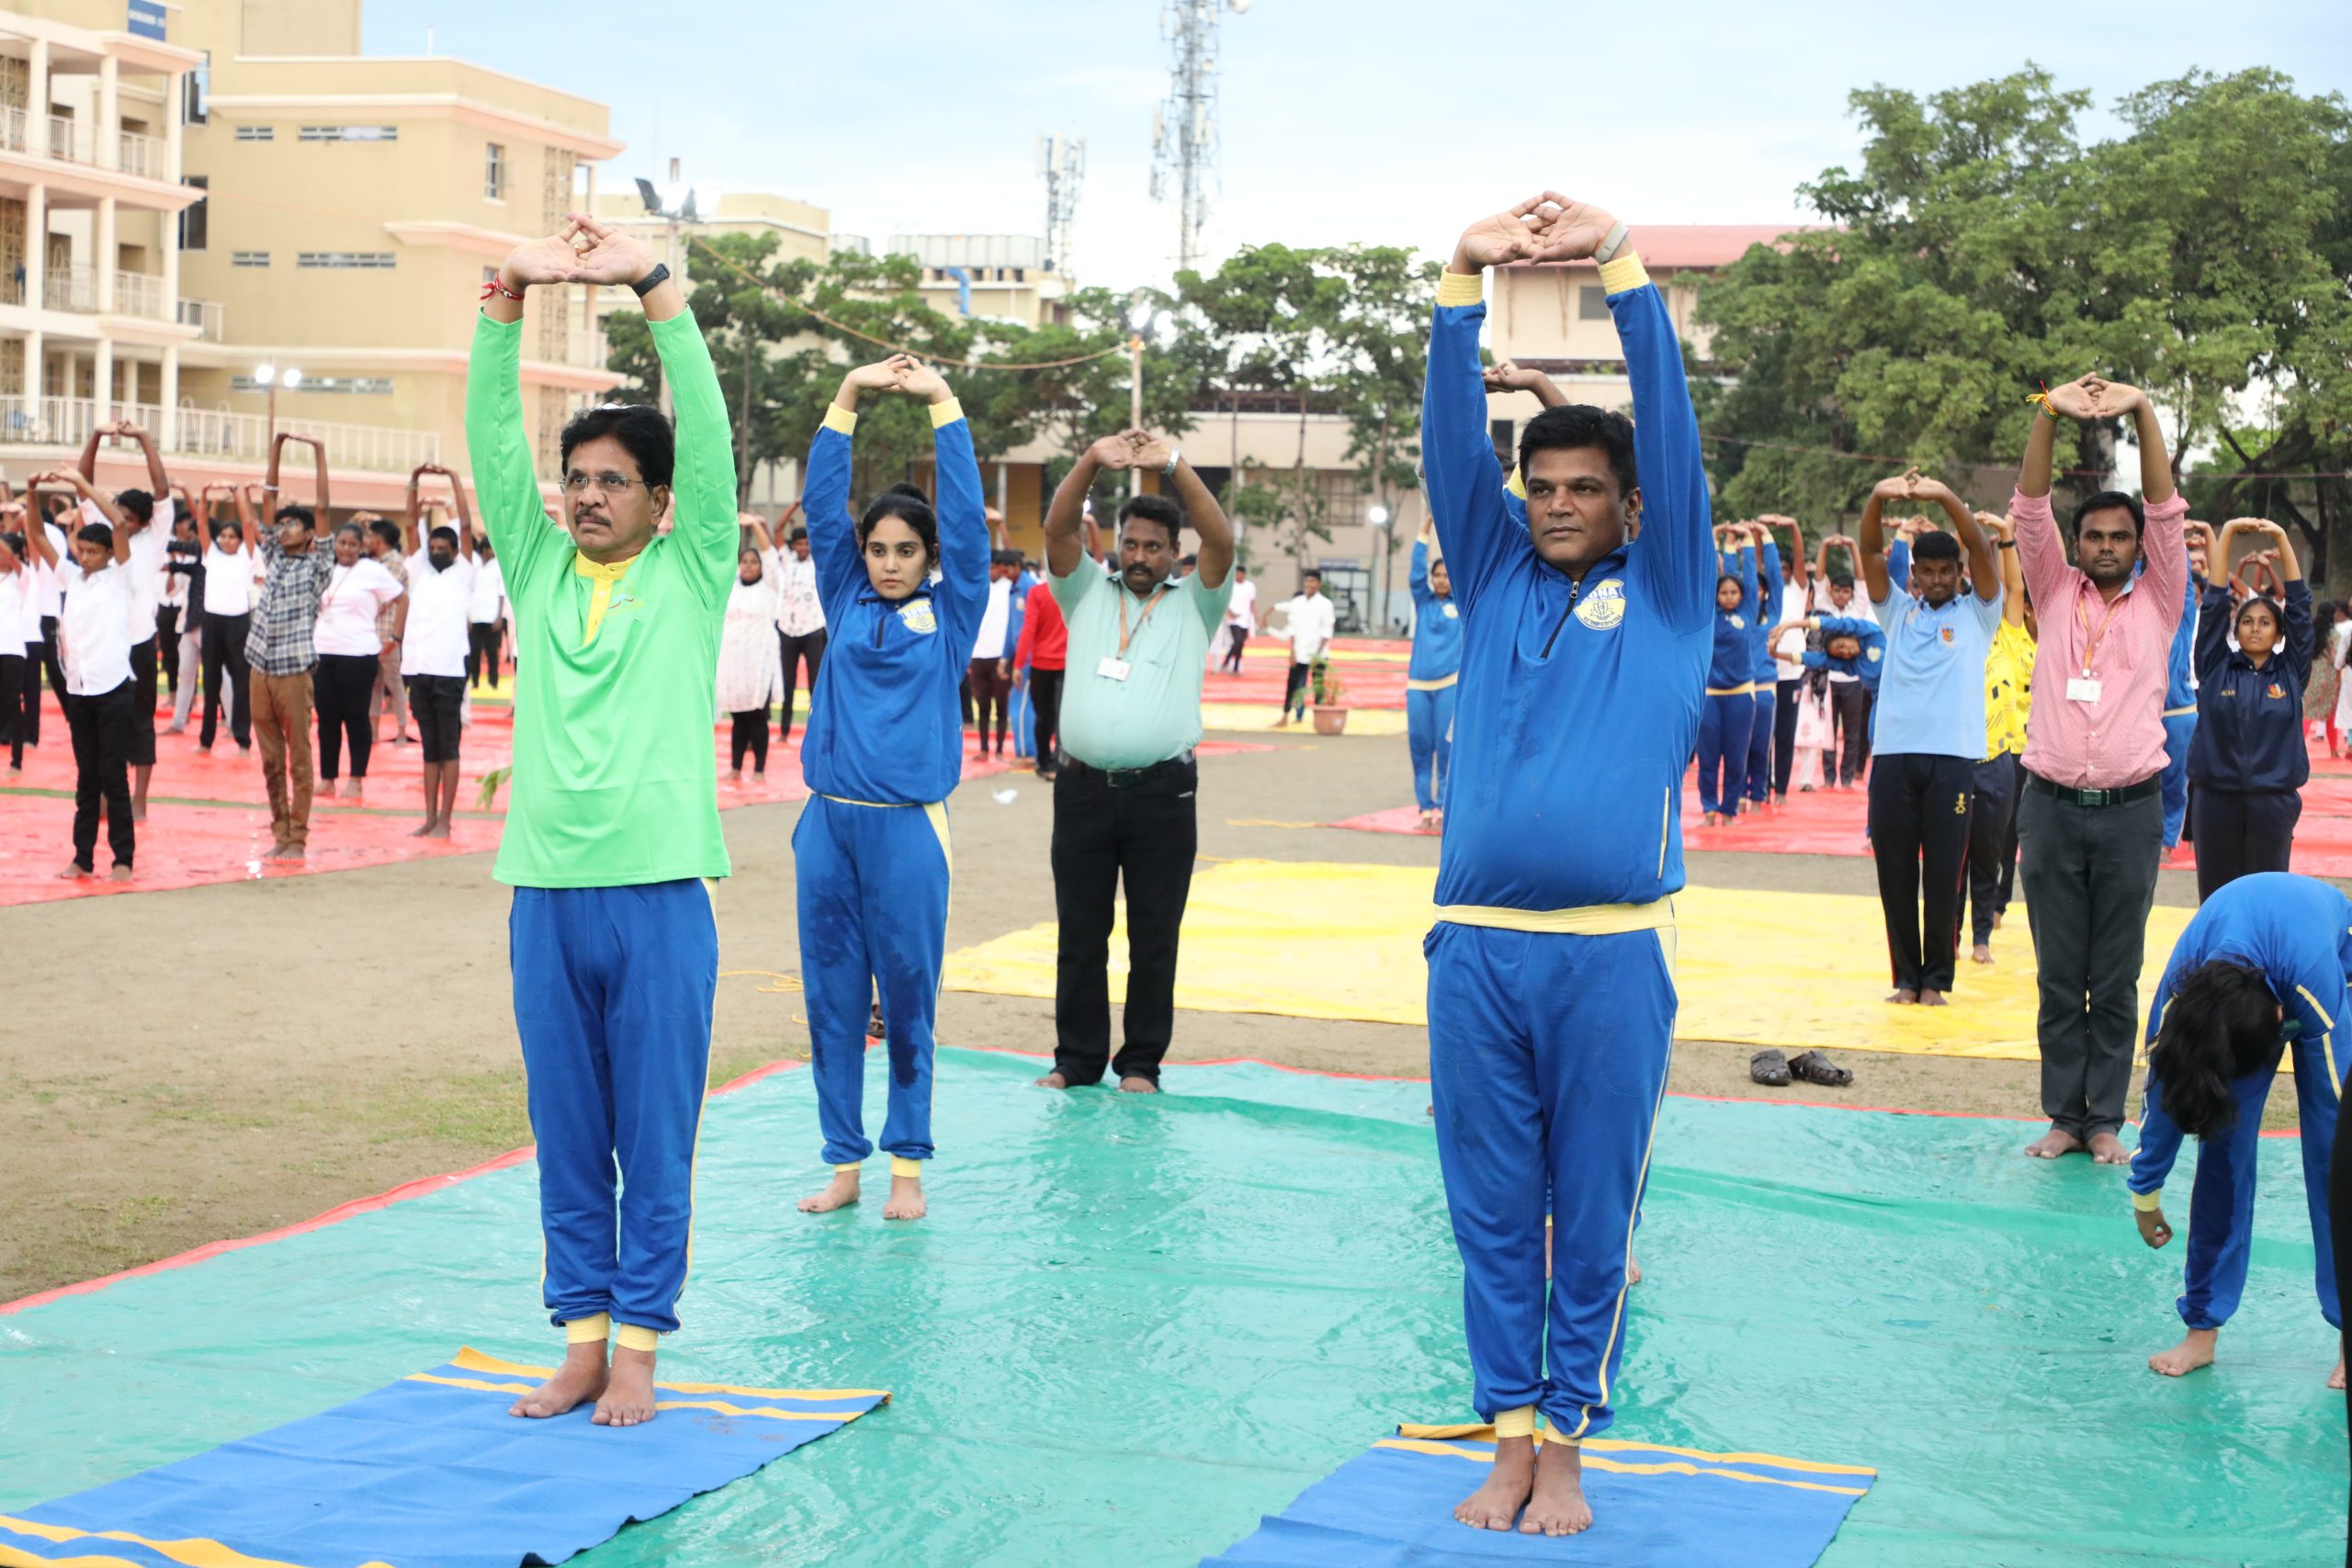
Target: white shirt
<point x="50" y="592"/>
<point x="227" y="581"/>
<point x="490" y="588"/>
<point x="148" y="548"/>
<point x="94" y="635"/>
<point x="995" y="621"/>
<point x="435" y="642"/>
<point x="1312" y="622"/>
<point x="1788" y="663"/>
<point x="796" y="582"/>
<point x="347" y="608"/>
<point x="19" y="610"/>
<point x="1241" y="610"/>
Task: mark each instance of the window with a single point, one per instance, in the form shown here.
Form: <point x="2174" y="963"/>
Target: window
<point x="1592" y="303"/>
<point x="193" y="216"/>
<point x="196" y="91"/>
<point x="248" y="258"/>
<point x="493" y="173"/>
<point x="256" y="133"/>
<point x="368" y="261"/>
<point x="351" y="133"/>
<point x="366" y="386"/>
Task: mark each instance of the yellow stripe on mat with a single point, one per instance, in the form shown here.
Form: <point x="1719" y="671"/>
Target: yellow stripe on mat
<point x="1678" y="1467"/>
<point x="473" y="1360"/>
<point x="1476" y="1433"/>
<point x="1328" y="941"/>
<point x="196" y="1551"/>
<point x="1246" y="717"/>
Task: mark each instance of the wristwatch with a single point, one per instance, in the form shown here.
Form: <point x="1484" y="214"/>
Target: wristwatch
<point x="2005" y="544"/>
<point x="651" y="280"/>
<point x="1609" y="242"/>
<point x="1175" y="456"/>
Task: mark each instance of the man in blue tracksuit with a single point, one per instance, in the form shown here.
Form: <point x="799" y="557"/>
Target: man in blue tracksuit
<point x="2267" y="953"/>
<point x="1766" y="671"/>
<point x="1551" y="995"/>
<point x="1430" y="678"/>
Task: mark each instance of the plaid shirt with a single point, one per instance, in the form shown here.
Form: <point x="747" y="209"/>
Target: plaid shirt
<point x="390" y="561"/>
<point x="286" y="613"/>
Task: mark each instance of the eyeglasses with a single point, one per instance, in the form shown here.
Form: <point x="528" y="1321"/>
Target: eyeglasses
<point x="611" y="484"/>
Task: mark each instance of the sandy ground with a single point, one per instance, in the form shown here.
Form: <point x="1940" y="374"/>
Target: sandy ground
<point x="220" y="1061"/>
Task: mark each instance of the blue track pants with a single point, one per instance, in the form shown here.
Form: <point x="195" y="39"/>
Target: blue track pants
<point x="1724" y="723"/>
<point x="613" y="993"/>
<point x="873" y="885"/>
<point x="1759" y="743"/>
<point x="1428" y="730"/>
<point x="1547" y="1061"/>
<point x="2180" y="728"/>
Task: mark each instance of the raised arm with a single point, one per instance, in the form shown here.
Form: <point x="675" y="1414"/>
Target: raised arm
<point x="1201" y="511"/>
<point x="2002" y="534"/>
<point x="159" y="481"/>
<point x="1417" y="579"/>
<point x="824" y="484"/>
<point x="1983" y="571"/>
<point x="1872" y="546"/>
<point x="1797" y="576"/>
<point x="36" y="529"/>
<point x="1508" y="376"/>
<point x="1767" y="574"/>
<point x="412" y="515"/>
<point x="961" y="509"/>
<point x="1066" y="514"/>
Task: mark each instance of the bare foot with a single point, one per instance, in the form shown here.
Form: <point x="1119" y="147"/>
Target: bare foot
<point x="1496" y="1504"/>
<point x="1711" y="820"/>
<point x="1903" y="996"/>
<point x="1633" y="1270"/>
<point x="1133" y="1083"/>
<point x="906" y="1199"/>
<point x="425" y="831"/>
<point x="119" y="873"/>
<point x="1558" y="1507"/>
<point x="2107" y="1149"/>
<point x="284" y="853"/>
<point x="579" y="1379"/>
<point x="2055" y="1143"/>
<point x="1053" y="1080"/>
<point x="357" y="792"/>
<point x="439" y="831"/>
<point x="1932" y="998"/>
<point x="138" y="811"/>
<point x="1981" y="953"/>
<point x="75" y="871"/>
<point x="1996" y="920"/>
<point x="629" y="1398"/>
<point x="2195" y="1350"/>
<point x="2335" y="1378"/>
<point x="839" y="1193"/>
<point x="327" y="789"/>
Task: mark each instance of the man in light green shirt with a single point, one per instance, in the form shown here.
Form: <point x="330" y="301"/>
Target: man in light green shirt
<point x="1131" y="716"/>
<point x="612" y="817"/>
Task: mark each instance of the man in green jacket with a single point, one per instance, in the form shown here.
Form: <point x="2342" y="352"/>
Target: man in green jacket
<point x="612" y="823"/>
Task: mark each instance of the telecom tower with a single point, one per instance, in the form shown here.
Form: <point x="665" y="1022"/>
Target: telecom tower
<point x="1184" y="129"/>
<point x="1061" y="163"/>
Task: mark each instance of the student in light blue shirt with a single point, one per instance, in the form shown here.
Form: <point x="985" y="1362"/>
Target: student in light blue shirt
<point x="1929" y="730"/>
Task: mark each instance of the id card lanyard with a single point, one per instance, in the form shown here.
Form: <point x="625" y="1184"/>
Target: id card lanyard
<point x="2085" y="688"/>
<point x="1114" y="667"/>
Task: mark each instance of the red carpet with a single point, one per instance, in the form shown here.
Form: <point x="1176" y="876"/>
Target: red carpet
<point x="1372" y="669"/>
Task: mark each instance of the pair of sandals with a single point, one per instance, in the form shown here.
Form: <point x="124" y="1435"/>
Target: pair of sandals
<point x="1778" y="1071"/>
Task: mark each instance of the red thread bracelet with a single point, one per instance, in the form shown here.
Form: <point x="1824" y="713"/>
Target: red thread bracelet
<point x="492" y="286"/>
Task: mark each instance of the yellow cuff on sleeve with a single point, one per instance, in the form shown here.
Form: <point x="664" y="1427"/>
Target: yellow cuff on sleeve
<point x="630" y="1337"/>
<point x="1462" y="289"/>
<point x="588" y="1330"/>
<point x="912" y="1167"/>
<point x="1519" y="1423"/>
<point x="947" y="413"/>
<point x="1623" y="272"/>
<point x="841" y="419"/>
<point x="2148" y="1202"/>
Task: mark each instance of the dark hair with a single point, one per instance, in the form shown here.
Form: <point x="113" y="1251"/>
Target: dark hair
<point x="444" y="532"/>
<point x="1004" y="558"/>
<point x="295" y="512"/>
<point x="1844" y="579"/>
<point x="15" y="542"/>
<point x="353" y="529"/>
<point x="2221" y="1022"/>
<point x="1842" y="636"/>
<point x="2107" y="501"/>
<point x="798" y="534"/>
<point x="910" y="506"/>
<point x="97" y="533"/>
<point x="1581" y="424"/>
<point x="1312" y="572"/>
<point x="1935" y="547"/>
<point x="138" y="502"/>
<point x="387" y="530"/>
<point x="639" y="427"/>
<point x="2260" y="601"/>
<point x="227" y="526"/>
<point x="1724" y="577"/>
<point x="1155" y="509"/>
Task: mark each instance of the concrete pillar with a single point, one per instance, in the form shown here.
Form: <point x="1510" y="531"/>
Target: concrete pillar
<point x="37" y="97"/>
<point x="102" y="241"/>
<point x="102" y="386"/>
<point x="107" y="135"/>
<point x="168" y="427"/>
<point x="36" y="245"/>
<point x="34" y="349"/>
<point x="174" y="133"/>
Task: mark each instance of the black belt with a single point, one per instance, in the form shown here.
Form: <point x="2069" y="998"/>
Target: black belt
<point x="2123" y="797"/>
<point x="1127" y="778"/>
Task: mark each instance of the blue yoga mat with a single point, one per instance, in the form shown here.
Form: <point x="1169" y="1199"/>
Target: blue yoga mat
<point x="1653" y="1508"/>
<point x="431" y="1469"/>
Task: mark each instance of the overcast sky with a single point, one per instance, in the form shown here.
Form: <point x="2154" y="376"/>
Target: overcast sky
<point x="1340" y="120"/>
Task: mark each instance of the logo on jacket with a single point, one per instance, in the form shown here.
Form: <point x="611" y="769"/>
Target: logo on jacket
<point x="1451" y="613"/>
<point x="916" y="613"/>
<point x="2274" y="691"/>
<point x="1875" y="654"/>
<point x="1604" y="606"/>
<point x="1738" y="624"/>
<point x="1947" y="635"/>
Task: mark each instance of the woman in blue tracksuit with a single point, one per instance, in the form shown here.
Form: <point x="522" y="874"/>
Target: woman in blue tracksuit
<point x="2260" y="970"/>
<point x="2246" y="759"/>
<point x="1430" y="678"/>
<point x="903" y="591"/>
<point x="1724" y="723"/>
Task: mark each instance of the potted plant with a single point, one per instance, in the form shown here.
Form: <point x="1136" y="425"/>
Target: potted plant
<point x="1330" y="701"/>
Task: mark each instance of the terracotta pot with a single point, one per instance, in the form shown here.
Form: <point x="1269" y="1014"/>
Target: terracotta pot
<point x="1330" y="721"/>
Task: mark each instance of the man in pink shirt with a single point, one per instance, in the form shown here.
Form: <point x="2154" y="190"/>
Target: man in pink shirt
<point x="2091" y="817"/>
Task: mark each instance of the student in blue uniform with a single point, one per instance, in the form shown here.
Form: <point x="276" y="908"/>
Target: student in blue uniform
<point x="1850" y="645"/>
<point x="1765" y="670"/>
<point x="1730" y="712"/>
<point x="882" y="750"/>
<point x="2180" y="701"/>
<point x="2249" y="759"/>
<point x="2260" y="970"/>
<point x="1430" y="677"/>
<point x="1584" y="660"/>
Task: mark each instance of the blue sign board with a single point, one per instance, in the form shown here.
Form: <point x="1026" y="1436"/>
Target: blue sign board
<point x="147" y="18"/>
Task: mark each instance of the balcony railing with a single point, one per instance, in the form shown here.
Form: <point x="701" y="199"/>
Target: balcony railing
<point x="213" y="433"/>
<point x="66" y="141"/>
<point x="69" y="289"/>
<point x="205" y="315"/>
<point x="142" y="294"/>
<point x="138" y="155"/>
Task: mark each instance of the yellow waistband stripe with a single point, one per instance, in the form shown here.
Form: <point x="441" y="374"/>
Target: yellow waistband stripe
<point x="907" y="1167"/>
<point x="588" y="1330"/>
<point x="1462" y="289"/>
<point x="1519" y="1423"/>
<point x="841" y="419"/>
<point x="947" y="413"/>
<point x="1589" y="920"/>
<point x="1747" y="691"/>
<point x="1439" y="684"/>
<point x="883" y="805"/>
<point x="1623" y="272"/>
<point x="2181" y="713"/>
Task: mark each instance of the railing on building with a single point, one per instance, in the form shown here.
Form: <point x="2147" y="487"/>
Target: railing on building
<point x="13" y="122"/>
<point x="207" y="316"/>
<point x="138" y="154"/>
<point x="141" y="294"/>
<point x="69" y="289"/>
<point x="213" y="433"/>
<point x="66" y="141"/>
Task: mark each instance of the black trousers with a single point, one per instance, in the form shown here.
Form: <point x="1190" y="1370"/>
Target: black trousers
<point x="224" y="650"/>
<point x="12" y="706"/>
<point x="1918" y="819"/>
<point x="1784" y="731"/>
<point x="343" y="691"/>
<point x="750" y="734"/>
<point x="811" y="648"/>
<point x="991" y="695"/>
<point x="1992" y="833"/>
<point x="101" y="730"/>
<point x="142" y="710"/>
<point x="1045" y="713"/>
<point x="1296" y="690"/>
<point x="437" y="704"/>
<point x="2237" y="835"/>
<point x="1850" y="702"/>
<point x="168" y="644"/>
<point x="2090" y="878"/>
<point x="1144" y="836"/>
<point x="483" y="641"/>
<point x="1238" y="637"/>
<point x="42" y="656"/>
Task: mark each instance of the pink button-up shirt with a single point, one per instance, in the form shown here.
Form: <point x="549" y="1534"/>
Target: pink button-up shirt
<point x="2120" y="740"/>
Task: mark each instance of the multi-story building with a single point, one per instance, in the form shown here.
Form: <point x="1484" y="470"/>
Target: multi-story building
<point x="284" y="232"/>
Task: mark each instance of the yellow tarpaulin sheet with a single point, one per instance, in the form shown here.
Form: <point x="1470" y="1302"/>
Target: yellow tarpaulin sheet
<point x="1796" y="970"/>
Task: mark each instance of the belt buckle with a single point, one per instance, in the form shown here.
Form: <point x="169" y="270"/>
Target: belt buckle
<point x="2098" y="798"/>
<point x="1120" y="778"/>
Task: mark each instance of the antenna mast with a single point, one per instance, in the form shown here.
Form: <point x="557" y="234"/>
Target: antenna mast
<point x="1061" y="163"/>
<point x="1184" y="131"/>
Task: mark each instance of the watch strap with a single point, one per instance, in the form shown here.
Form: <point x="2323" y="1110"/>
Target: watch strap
<point x="1611" y="243"/>
<point x="1175" y="456"/>
<point x="651" y="280"/>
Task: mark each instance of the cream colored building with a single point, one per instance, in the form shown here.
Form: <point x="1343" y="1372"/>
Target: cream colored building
<point x="255" y="192"/>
